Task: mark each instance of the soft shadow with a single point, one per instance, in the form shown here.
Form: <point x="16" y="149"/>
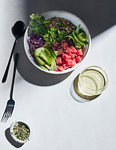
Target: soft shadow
<point x="11" y="140"/>
<point x="89" y="12"/>
<point x="33" y="75"/>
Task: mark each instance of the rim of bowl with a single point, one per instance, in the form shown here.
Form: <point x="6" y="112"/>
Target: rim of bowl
<point x="14" y="137"/>
<point x="60" y="12"/>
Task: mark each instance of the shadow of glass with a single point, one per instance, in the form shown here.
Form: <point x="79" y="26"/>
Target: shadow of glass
<point x="11" y="140"/>
<point x="31" y="73"/>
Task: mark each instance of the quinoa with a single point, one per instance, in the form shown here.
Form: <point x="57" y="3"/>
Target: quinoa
<point x="62" y="24"/>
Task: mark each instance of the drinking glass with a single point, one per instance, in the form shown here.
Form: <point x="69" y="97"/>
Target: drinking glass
<point x="89" y="84"/>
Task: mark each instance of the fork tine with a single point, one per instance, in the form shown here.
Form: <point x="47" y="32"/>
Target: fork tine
<point x="6" y="114"/>
<point x="3" y="117"/>
<point x="11" y="111"/>
<point x="2" y="120"/>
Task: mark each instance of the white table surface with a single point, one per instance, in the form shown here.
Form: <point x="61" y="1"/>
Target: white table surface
<point x="58" y="122"/>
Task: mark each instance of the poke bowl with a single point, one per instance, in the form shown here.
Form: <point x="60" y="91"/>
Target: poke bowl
<point x="56" y="42"/>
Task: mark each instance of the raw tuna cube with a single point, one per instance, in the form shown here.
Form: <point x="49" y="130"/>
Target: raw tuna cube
<point x="64" y="66"/>
<point x="60" y="52"/>
<point x="73" y="49"/>
<point x="58" y="60"/>
<point x="66" y="57"/>
<point x="68" y="50"/>
<point x="78" y="59"/>
<point x="70" y="63"/>
<point x="56" y="44"/>
<point x="72" y="55"/>
<point x="60" y="68"/>
<point x="64" y="46"/>
<point x="79" y="52"/>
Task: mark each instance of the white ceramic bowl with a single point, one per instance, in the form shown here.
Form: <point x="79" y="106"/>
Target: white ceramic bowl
<point x="69" y="16"/>
<point x="14" y="137"/>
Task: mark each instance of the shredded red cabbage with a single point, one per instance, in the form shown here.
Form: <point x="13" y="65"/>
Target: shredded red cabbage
<point x="35" y="42"/>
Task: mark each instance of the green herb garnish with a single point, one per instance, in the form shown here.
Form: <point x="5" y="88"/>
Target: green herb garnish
<point x="38" y="24"/>
<point x="53" y="35"/>
<point x="21" y="132"/>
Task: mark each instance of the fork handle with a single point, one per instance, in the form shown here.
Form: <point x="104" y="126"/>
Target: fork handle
<point x="14" y="72"/>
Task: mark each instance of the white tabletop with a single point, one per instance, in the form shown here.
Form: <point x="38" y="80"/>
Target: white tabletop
<point x="58" y="122"/>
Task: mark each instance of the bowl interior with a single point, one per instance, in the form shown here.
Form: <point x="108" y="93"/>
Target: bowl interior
<point x="69" y="16"/>
<point x="11" y="131"/>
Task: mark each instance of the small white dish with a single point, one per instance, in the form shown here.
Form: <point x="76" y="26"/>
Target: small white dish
<point x="13" y="136"/>
<point x="69" y="16"/>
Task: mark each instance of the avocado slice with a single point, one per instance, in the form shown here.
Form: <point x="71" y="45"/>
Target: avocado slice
<point x="56" y="53"/>
<point x="53" y="65"/>
<point x="39" y="61"/>
<point x="45" y="58"/>
<point x="48" y="54"/>
<point x="48" y="67"/>
<point x="52" y="53"/>
<point x="44" y="68"/>
<point x="38" y="51"/>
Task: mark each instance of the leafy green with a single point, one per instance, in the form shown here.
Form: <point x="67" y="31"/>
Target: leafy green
<point x="37" y="17"/>
<point x="54" y="34"/>
<point x="38" y="24"/>
<point x="61" y="34"/>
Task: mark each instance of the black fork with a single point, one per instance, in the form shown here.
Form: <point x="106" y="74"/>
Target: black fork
<point x="11" y="103"/>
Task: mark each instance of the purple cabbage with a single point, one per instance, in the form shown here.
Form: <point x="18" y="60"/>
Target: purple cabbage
<point x="35" y="42"/>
